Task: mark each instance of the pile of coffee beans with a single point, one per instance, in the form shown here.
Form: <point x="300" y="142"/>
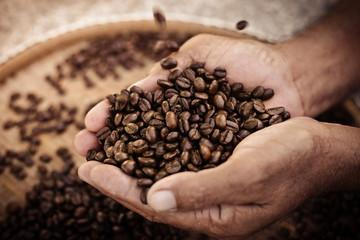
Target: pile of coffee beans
<point x="193" y="122"/>
<point x="62" y="206"/>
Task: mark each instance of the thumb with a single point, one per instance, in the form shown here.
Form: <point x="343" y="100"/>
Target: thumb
<point x="224" y="184"/>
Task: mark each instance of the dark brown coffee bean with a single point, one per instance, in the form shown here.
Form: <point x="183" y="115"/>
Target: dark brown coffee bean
<point x="170" y="155"/>
<point x="201" y="95"/>
<point x="184" y="126"/>
<point x="170" y="92"/>
<point x="103" y="133"/>
<point x="268" y="93"/>
<point x="174" y="100"/>
<point x="213" y="88"/>
<point x="236" y="88"/>
<point x="215" y="135"/>
<point x="161" y="174"/>
<point x="118" y="119"/>
<point x="165" y="83"/>
<point x="171" y="120"/>
<point x="247" y="109"/>
<point x="119" y="146"/>
<point x="151" y="134"/>
<point x="149" y="171"/>
<point x="285" y="115"/>
<point x="159" y="17"/>
<point x="194" y="134"/>
<point x="186" y="144"/>
<point x="131" y="128"/>
<point x="144" y="182"/>
<point x="264" y="116"/>
<point x="121" y="101"/>
<point x="184" y="158"/>
<point x="259" y="106"/>
<point x="220" y="121"/>
<point x="275" y="111"/>
<point x="215" y="157"/>
<point x="205" y="152"/>
<point x="144" y="105"/>
<point x="129" y="118"/>
<point x="114" y="136"/>
<point x="219" y="101"/>
<point x="158" y="96"/>
<point x="192" y="167"/>
<point x="134" y="98"/>
<point x="143" y="195"/>
<point x="140" y="146"/>
<point x="258" y="92"/>
<point x="110" y="161"/>
<point x="244" y="96"/>
<point x="120" y="157"/>
<point x="199" y="84"/>
<point x="275" y="119"/>
<point x="183" y="83"/>
<point x="206" y="129"/>
<point x="147" y="162"/>
<point x="250" y="123"/>
<point x="175" y="74"/>
<point x="173" y="167"/>
<point x="220" y="72"/>
<point x="189" y="74"/>
<point x="196" y="65"/>
<point x="100" y="156"/>
<point x="185" y="94"/>
<point x="172" y="137"/>
<point x="168" y="63"/>
<point x="158" y="124"/>
<point x="45" y="158"/>
<point x="241" y="25"/>
<point x="195" y="158"/>
<point x="226" y="137"/>
<point x="233" y="126"/>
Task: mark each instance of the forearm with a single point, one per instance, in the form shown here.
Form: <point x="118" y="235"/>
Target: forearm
<point x="339" y="157"/>
<point x="325" y="60"/>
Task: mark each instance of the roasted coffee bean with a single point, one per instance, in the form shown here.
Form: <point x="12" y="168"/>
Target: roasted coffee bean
<point x="161" y="174"/>
<point x="151" y="134"/>
<point x="143" y="195"/>
<point x="170" y="155"/>
<point x="170" y="92"/>
<point x="183" y="83"/>
<point x="226" y="137"/>
<point x="219" y="101"/>
<point x="144" y="104"/>
<point x="206" y="129"/>
<point x="140" y="146"/>
<point x="149" y="171"/>
<point x="205" y="152"/>
<point x="158" y="96"/>
<point x="189" y="74"/>
<point x="196" y="65"/>
<point x="172" y="137"/>
<point x="186" y="144"/>
<point x="171" y="120"/>
<point x="192" y="167"/>
<point x="118" y="119"/>
<point x="199" y="84"/>
<point x="213" y="88"/>
<point x="259" y="106"/>
<point x="247" y="109"/>
<point x="129" y="118"/>
<point x="158" y="124"/>
<point x="134" y="98"/>
<point x="131" y="128"/>
<point x="184" y="158"/>
<point x="285" y="115"/>
<point x="103" y="133"/>
<point x="184" y="126"/>
<point x="194" y="134"/>
<point x="165" y="83"/>
<point x="173" y="167"/>
<point x="220" y="72"/>
<point x="110" y="161"/>
<point x="120" y="157"/>
<point x="100" y="156"/>
<point x="195" y="158"/>
<point x="174" y="100"/>
<point x="128" y="167"/>
<point x="275" y="111"/>
<point x="268" y="93"/>
<point x="241" y="25"/>
<point x="168" y="63"/>
<point x="220" y="121"/>
<point x="275" y="119"/>
<point x="258" y="92"/>
<point x="144" y="182"/>
<point x="175" y="74"/>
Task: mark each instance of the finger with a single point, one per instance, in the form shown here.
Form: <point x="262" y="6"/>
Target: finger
<point x="224" y="184"/>
<point x="95" y="118"/>
<point x="112" y="182"/>
<point x="84" y="141"/>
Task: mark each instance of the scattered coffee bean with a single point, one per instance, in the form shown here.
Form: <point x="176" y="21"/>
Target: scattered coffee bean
<point x="241" y="25"/>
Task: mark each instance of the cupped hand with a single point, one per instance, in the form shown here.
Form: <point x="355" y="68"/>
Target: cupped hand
<point x="270" y="173"/>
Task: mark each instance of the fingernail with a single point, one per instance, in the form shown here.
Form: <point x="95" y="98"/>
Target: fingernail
<point x="162" y="201"/>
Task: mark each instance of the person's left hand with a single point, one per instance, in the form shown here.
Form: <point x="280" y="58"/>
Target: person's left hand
<point x="270" y="173"/>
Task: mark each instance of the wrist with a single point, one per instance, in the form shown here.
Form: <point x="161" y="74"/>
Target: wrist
<point x="337" y="155"/>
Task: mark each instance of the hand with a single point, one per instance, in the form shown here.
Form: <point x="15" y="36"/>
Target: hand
<point x="247" y="61"/>
<point x="270" y="173"/>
